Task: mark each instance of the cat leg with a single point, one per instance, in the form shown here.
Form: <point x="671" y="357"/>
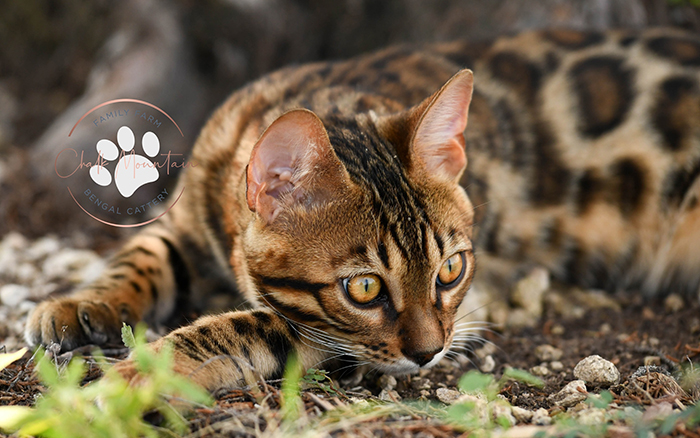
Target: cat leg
<point x="234" y="348"/>
<point x="140" y="283"/>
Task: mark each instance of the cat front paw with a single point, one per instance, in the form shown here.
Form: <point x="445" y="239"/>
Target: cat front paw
<point x="71" y="323"/>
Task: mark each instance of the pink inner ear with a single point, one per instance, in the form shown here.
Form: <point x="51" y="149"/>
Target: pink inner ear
<point x="285" y="153"/>
<point x="439" y="140"/>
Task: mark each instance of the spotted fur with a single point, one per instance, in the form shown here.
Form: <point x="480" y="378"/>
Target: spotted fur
<point x="584" y="157"/>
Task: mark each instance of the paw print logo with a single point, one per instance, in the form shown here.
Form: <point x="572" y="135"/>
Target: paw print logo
<point x="133" y="170"/>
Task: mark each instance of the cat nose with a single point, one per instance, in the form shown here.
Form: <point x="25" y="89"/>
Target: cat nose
<point x="422" y="358"/>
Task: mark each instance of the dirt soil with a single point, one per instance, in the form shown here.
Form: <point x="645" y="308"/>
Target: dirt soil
<point x="637" y="331"/>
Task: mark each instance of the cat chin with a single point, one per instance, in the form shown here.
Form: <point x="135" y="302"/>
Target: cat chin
<point x="405" y="366"/>
<point x="398" y="368"/>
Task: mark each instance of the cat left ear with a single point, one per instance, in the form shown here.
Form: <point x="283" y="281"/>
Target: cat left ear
<point x="437" y="144"/>
<point x="292" y="161"/>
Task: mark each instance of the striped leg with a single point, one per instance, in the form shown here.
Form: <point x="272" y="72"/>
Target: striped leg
<point x="234" y="348"/>
<point x="140" y="283"/>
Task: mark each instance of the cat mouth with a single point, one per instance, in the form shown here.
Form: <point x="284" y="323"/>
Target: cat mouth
<point x="407" y="366"/>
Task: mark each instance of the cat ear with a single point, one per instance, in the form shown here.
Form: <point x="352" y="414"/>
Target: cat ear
<point x="292" y="161"/>
<point x="437" y="145"/>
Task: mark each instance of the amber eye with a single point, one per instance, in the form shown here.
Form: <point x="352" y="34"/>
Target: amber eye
<point x="363" y="288"/>
<point x="451" y="270"/>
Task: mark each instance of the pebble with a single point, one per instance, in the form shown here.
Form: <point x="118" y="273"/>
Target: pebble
<point x="26" y="273"/>
<point x="77" y="263"/>
<point x="555" y="365"/>
<point x="541" y="417"/>
<point x="43" y="248"/>
<point x="447" y="396"/>
<point x="558" y="330"/>
<point x="652" y="360"/>
<point x="12" y="295"/>
<point x="597" y="371"/>
<point x="486" y="350"/>
<point x="529" y="291"/>
<point x="387" y="382"/>
<point x="573" y="393"/>
<point x="389" y="395"/>
<point x="547" y="353"/>
<point x="591" y="416"/>
<point x="540" y="370"/>
<point x="674" y="303"/>
<point x="503" y="412"/>
<point x="488" y="364"/>
<point x="521" y="415"/>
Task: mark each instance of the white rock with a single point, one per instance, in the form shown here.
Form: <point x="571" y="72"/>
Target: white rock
<point x="547" y="353"/>
<point x="447" y="396"/>
<point x="12" y="295"/>
<point x="487" y="349"/>
<point x="591" y="416"/>
<point x="573" y="393"/>
<point x="555" y="365"/>
<point x="390" y="395"/>
<point x="488" y="364"/>
<point x="14" y="240"/>
<point x="70" y="262"/>
<point x="597" y="371"/>
<point x="504" y="412"/>
<point x="26" y="307"/>
<point x="521" y="415"/>
<point x="540" y="370"/>
<point x="529" y="291"/>
<point x="387" y="382"/>
<point x="43" y="248"/>
<point x="10" y="247"/>
<point x="674" y="303"/>
<point x="541" y="417"/>
<point x="26" y="273"/>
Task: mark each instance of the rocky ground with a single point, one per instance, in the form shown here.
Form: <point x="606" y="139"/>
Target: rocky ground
<point x="578" y="342"/>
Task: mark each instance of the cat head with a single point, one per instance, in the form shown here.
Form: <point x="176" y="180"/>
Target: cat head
<point x="362" y="234"/>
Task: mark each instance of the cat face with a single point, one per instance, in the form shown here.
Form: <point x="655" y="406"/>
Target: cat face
<point x="362" y="233"/>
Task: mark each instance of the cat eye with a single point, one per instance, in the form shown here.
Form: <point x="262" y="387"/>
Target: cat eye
<point x="363" y="288"/>
<point x="451" y="270"/>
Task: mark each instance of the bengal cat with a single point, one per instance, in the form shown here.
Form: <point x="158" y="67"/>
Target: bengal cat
<point x="332" y="197"/>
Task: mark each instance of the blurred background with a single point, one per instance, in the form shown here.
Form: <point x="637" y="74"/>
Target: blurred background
<point x="59" y="58"/>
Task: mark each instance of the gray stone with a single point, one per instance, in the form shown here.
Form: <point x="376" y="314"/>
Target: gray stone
<point x="521" y="415"/>
<point x="540" y="370"/>
<point x="447" y="396"/>
<point x="573" y="393"/>
<point x="547" y="353"/>
<point x="387" y="382"/>
<point x="488" y="364"/>
<point x="12" y="295"/>
<point x="43" y="248"/>
<point x="541" y="417"/>
<point x="674" y="303"/>
<point x="597" y="371"/>
<point x="555" y="365"/>
<point x="529" y="291"/>
<point x="389" y="395"/>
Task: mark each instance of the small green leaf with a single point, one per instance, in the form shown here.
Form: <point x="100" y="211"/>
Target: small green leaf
<point x="128" y="336"/>
<point x="291" y="391"/>
<point x="601" y="400"/>
<point x="473" y="381"/>
<point x="521" y="376"/>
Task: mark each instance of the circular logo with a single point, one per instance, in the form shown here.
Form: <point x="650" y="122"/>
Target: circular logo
<point x="121" y="161"/>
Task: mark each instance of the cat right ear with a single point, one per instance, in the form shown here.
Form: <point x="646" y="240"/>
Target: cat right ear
<point x="292" y="161"/>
